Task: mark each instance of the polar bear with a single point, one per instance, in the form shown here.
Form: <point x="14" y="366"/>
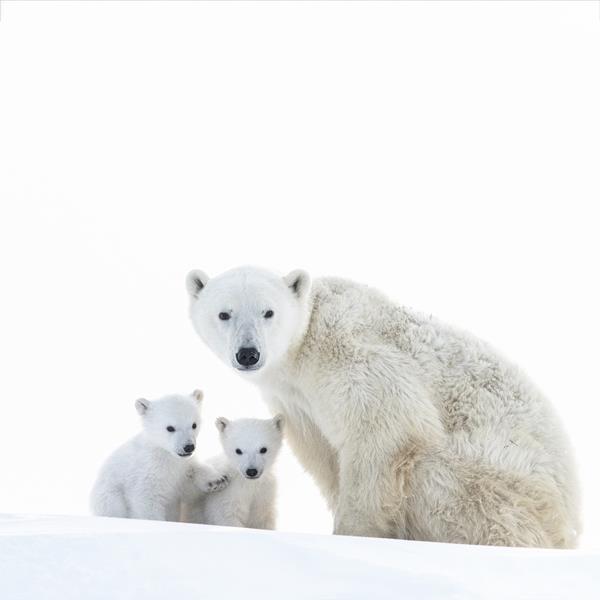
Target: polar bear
<point x="411" y="428"/>
<point x="149" y="476"/>
<point x="250" y="447"/>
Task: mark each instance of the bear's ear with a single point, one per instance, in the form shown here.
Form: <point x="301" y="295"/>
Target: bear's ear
<point x="221" y="424"/>
<point x="279" y="422"/>
<point x="299" y="282"/>
<point x="195" y="282"/>
<point x="197" y="395"/>
<point x="142" y="405"/>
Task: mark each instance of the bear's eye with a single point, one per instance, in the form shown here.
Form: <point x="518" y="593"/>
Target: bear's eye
<point x="170" y="429"/>
<point x="193" y="425"/>
<point x="224" y="316"/>
<point x="263" y="450"/>
<point x="238" y="451"/>
<point x="269" y="314"/>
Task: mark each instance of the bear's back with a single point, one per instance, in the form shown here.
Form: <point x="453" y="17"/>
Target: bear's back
<point x="349" y="321"/>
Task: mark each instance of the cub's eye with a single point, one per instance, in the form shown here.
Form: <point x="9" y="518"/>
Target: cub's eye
<point x="224" y="316"/>
<point x="238" y="451"/>
<point x="269" y="314"/>
<point x="170" y="429"/>
<point x="263" y="450"/>
<point x="194" y="425"/>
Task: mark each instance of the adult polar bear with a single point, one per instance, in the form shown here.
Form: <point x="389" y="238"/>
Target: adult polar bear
<point x="410" y="428"/>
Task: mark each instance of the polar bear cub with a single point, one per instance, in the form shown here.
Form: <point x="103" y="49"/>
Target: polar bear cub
<point x="149" y="476"/>
<point x="250" y="448"/>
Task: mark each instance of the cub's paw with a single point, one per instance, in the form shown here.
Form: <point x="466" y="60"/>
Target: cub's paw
<point x="216" y="485"/>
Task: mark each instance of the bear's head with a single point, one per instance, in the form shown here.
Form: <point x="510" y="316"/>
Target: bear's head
<point x="172" y="422"/>
<point x="249" y="317"/>
<point x="251" y="444"/>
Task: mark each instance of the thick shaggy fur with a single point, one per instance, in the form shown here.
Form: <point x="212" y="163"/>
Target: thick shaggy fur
<point x="410" y="428"/>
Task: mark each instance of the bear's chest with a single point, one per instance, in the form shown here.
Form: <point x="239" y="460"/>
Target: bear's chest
<point x="298" y="404"/>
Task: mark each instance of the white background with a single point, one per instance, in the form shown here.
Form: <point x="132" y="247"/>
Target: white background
<point x="446" y="153"/>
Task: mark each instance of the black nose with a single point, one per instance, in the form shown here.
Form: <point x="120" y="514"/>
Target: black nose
<point x="189" y="448"/>
<point x="247" y="357"/>
<point x="251" y="472"/>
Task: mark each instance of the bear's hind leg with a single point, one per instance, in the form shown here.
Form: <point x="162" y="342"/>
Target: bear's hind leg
<point x="110" y="504"/>
<point x="476" y="504"/>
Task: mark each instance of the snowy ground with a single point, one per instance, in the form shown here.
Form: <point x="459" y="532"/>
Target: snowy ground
<point x="77" y="558"/>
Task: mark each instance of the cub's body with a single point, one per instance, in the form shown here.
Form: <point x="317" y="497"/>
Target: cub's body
<point x="250" y="448"/>
<point x="142" y="481"/>
<point x="244" y="503"/>
<point x="150" y="475"/>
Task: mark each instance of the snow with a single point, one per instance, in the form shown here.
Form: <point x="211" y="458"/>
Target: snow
<point x="64" y="558"/>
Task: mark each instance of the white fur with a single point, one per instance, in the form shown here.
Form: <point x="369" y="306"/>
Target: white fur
<point x="245" y="502"/>
<point x="147" y="478"/>
<point x="411" y="428"/>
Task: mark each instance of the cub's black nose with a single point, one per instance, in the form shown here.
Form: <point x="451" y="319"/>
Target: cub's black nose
<point x="251" y="472"/>
<point x="247" y="357"/>
<point x="189" y="448"/>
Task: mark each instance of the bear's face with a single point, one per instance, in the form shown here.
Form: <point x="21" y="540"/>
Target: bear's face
<point x="251" y="444"/>
<point x="249" y="317"/>
<point x="172" y="422"/>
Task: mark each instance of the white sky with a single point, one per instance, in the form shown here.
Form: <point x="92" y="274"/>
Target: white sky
<point x="446" y="153"/>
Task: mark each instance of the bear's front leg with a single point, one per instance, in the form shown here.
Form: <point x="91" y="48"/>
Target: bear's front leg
<point x="364" y="507"/>
<point x="151" y="508"/>
<point x="311" y="448"/>
<point x="218" y="484"/>
<point x="386" y="421"/>
<point x="204" y="478"/>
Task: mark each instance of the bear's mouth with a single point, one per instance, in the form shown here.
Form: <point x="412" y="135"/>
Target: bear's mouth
<point x="250" y="368"/>
<point x="184" y="454"/>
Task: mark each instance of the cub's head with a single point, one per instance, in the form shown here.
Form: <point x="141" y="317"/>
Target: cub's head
<point x="172" y="422"/>
<point x="251" y="444"/>
<point x="249" y="317"/>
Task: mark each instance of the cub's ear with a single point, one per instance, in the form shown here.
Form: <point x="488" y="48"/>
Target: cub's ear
<point x="195" y="282"/>
<point x="279" y="422"/>
<point x="299" y="283"/>
<point x="142" y="405"/>
<point x="197" y="395"/>
<point x="221" y="424"/>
